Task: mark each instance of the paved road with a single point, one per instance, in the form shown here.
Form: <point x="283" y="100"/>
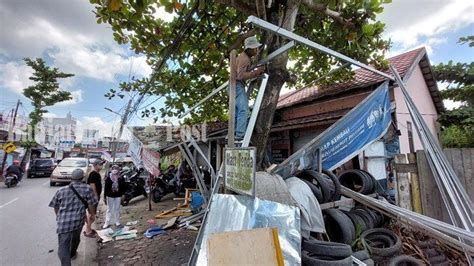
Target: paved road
<point x="28" y="225"/>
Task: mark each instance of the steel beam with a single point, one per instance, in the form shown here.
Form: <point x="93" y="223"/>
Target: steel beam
<point x="255" y="110"/>
<point x="295" y="37"/>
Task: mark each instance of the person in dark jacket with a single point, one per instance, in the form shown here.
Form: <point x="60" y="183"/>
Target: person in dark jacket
<point x="15" y="169"/>
<point x="114" y="189"/>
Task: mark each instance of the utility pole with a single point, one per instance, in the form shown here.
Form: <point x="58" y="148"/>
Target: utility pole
<point x="11" y="133"/>
<point x="122" y="123"/>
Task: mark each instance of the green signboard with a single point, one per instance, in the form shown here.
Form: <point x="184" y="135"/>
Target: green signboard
<point x="240" y="170"/>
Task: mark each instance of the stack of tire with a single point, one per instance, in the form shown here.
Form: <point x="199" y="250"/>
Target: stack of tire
<point x="382" y="244"/>
<point x="432" y="254"/>
<point x="359" y="181"/>
<point x="341" y="226"/>
<point x="316" y="252"/>
<point x="325" y="186"/>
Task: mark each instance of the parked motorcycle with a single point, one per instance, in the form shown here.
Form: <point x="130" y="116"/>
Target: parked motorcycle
<point x="162" y="185"/>
<point x="11" y="180"/>
<point x="134" y="186"/>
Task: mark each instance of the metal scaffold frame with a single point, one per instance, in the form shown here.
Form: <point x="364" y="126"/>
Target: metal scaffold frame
<point x="444" y="174"/>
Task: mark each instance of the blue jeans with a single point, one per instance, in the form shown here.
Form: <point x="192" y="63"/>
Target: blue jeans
<point x="241" y="110"/>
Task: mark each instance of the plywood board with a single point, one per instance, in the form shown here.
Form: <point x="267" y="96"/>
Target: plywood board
<point x="403" y="184"/>
<point x="433" y="205"/>
<point x="250" y="247"/>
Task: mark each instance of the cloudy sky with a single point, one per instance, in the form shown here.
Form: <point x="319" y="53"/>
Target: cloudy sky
<point x="66" y="35"/>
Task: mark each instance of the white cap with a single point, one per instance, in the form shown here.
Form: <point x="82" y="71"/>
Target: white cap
<point x="251" y="43"/>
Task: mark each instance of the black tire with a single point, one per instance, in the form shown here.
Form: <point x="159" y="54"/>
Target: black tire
<point x="427" y="244"/>
<point x="437" y="259"/>
<point x="156" y="196"/>
<point x="356" y="221"/>
<point x="52" y="184"/>
<point x="380" y="241"/>
<point x="370" y="178"/>
<point x="431" y="252"/>
<point x="356" y="180"/>
<point x="316" y="192"/>
<point x="313" y="176"/>
<point x="361" y="255"/>
<point x="335" y="185"/>
<point x="372" y="234"/>
<point x="369" y="262"/>
<point x="124" y="201"/>
<point x="405" y="260"/>
<point x="339" y="227"/>
<point x="364" y="216"/>
<point x="308" y="260"/>
<point x="323" y="248"/>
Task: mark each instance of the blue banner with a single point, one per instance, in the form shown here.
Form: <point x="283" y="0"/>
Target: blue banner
<point x="350" y="135"/>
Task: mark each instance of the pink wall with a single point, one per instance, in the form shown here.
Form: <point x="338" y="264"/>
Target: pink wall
<point x="419" y="92"/>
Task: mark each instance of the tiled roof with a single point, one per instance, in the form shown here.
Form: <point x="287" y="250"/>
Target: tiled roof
<point x="362" y="78"/>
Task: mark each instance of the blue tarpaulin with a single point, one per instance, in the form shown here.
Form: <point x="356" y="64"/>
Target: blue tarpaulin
<point x="364" y="124"/>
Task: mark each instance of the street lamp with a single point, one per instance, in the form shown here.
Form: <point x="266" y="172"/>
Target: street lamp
<point x="112" y="111"/>
<point x="122" y="123"/>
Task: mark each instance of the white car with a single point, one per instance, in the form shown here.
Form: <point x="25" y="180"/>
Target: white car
<point x="62" y="172"/>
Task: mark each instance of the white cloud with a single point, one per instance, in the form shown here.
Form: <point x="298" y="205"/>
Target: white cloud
<point x="76" y="98"/>
<point x="86" y="51"/>
<point x="15" y="76"/>
<point x="412" y="24"/>
<point x="106" y="128"/>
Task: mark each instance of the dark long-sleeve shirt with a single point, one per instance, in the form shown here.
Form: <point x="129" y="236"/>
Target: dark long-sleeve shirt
<point x="108" y="188"/>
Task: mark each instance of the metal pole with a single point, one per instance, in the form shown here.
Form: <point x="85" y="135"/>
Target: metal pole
<point x="255" y="110"/>
<point x="292" y="36"/>
<point x="10" y="133"/>
<point x="438" y="171"/>
<point x="122" y="123"/>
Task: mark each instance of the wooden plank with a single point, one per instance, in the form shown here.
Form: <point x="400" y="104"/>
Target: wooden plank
<point x="468" y="158"/>
<point x="403" y="184"/>
<point x="406" y="168"/>
<point x="232" y="94"/>
<point x="431" y="200"/>
<point x="250" y="247"/>
<point x="457" y="163"/>
<point x="415" y="186"/>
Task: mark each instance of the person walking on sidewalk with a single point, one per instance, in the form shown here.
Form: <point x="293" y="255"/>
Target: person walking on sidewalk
<point x="244" y="72"/>
<point x="95" y="181"/>
<point x="113" y="191"/>
<point x="70" y="204"/>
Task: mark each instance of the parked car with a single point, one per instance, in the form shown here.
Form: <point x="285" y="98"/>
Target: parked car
<point x="41" y="167"/>
<point x="62" y="172"/>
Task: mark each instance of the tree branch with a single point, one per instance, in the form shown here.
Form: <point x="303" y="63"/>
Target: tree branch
<point x="323" y="9"/>
<point x="239" y="5"/>
<point x="240" y="39"/>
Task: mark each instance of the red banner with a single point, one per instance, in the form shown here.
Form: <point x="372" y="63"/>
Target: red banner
<point x="151" y="161"/>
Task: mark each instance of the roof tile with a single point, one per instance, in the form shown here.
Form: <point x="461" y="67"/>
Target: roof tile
<point x="361" y="78"/>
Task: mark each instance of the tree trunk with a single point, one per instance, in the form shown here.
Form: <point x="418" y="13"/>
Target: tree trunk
<point x="278" y="76"/>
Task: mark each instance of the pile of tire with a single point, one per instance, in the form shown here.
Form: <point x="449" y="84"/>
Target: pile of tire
<point x="358" y="180"/>
<point x="315" y="252"/>
<point x="341" y="226"/>
<point x="382" y="244"/>
<point x="325" y="186"/>
<point x="432" y="254"/>
<point x="405" y="260"/>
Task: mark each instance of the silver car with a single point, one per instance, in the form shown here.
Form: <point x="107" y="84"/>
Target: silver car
<point x="62" y="172"/>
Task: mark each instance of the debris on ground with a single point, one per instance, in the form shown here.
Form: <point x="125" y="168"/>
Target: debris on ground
<point x="131" y="223"/>
<point x="154" y="231"/>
